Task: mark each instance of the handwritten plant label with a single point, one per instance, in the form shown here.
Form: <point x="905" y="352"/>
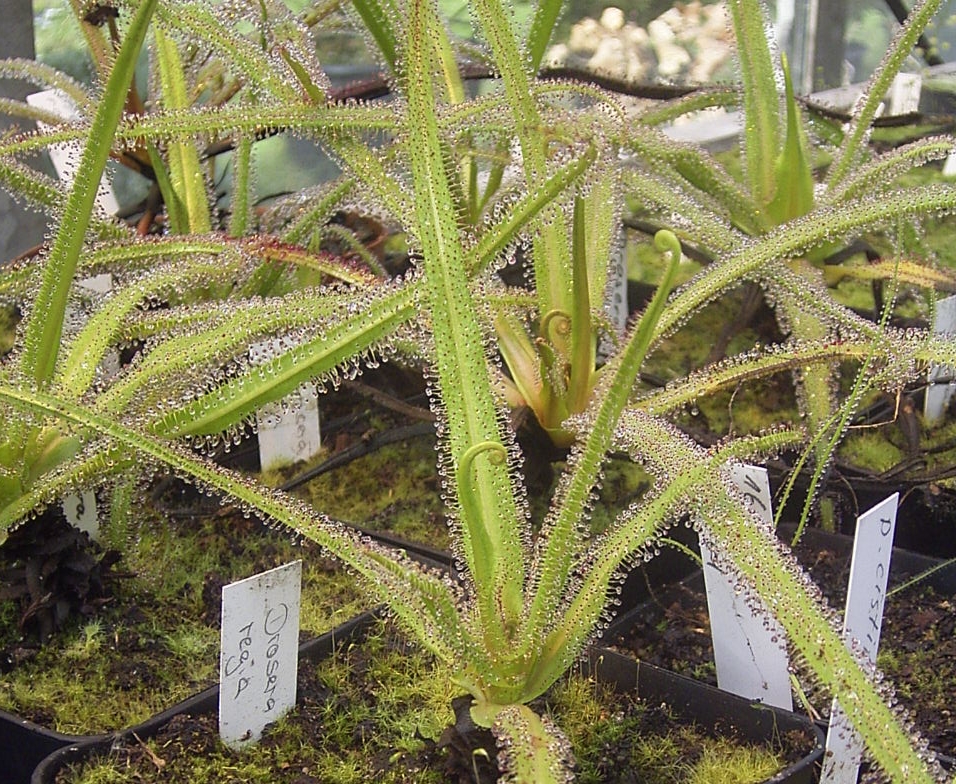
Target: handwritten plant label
<point x="287" y="433"/>
<point x="939" y="394"/>
<point x="259" y="654"/>
<point x="79" y="509"/>
<point x="749" y="650"/>
<point x="862" y="622"/>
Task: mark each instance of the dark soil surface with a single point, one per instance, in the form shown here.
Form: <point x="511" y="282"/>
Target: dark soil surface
<point x="917" y="649"/>
<point x="616" y="749"/>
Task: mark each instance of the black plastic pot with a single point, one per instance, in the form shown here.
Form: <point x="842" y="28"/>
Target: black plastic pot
<point x="687" y="698"/>
<point x="23" y="745"/>
<point x="206" y="701"/>
<point x="708" y="706"/>
<point x="925" y="520"/>
<point x="903" y="562"/>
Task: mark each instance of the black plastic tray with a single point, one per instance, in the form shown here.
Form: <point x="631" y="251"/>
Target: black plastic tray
<point x="704" y="704"/>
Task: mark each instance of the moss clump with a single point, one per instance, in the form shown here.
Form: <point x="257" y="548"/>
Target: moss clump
<point x="157" y="642"/>
<point x="724" y="763"/>
<point x="870" y="450"/>
<point x="394" y="489"/>
<point x="375" y="711"/>
<point x="617" y="739"/>
<point x="893" y="445"/>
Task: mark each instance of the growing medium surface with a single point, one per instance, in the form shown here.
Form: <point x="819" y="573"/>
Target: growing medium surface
<point x="917" y="648"/>
<point x="380" y="711"/>
<point x="156" y="640"/>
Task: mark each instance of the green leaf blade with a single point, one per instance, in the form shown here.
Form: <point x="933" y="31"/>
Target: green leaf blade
<point x="42" y="337"/>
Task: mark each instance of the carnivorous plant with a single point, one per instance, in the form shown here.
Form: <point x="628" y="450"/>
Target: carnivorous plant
<point x="720" y="213"/>
<point x="532" y="593"/>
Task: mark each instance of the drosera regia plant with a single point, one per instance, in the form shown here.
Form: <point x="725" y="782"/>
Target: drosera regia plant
<point x="40" y="459"/>
<point x="551" y="354"/>
<point x="787" y="184"/>
<point x="532" y="592"/>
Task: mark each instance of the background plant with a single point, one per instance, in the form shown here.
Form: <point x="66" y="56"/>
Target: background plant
<point x="533" y="592"/>
<point x="786" y="181"/>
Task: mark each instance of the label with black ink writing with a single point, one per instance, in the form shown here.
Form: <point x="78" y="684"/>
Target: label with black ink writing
<point x="79" y="509"/>
<point x="259" y="652"/>
<point x="288" y="430"/>
<point x="749" y="644"/>
<point x="862" y="622"/>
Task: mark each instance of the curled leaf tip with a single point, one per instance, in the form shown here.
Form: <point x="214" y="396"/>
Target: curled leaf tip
<point x="560" y="320"/>
<point x="666" y="241"/>
<point x="498" y="455"/>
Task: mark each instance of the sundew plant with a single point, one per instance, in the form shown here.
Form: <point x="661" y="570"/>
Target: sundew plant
<point x="435" y="162"/>
<point x="788" y="184"/>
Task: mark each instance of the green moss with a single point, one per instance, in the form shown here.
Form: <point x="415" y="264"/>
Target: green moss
<point x="726" y="763"/>
<point x="80" y="687"/>
<point x="870" y="450"/>
<point x="614" y="737"/>
<point x="388" y="701"/>
<point x="158" y="640"/>
<point x="411" y="700"/>
<point x="394" y="489"/>
<point x="171" y="560"/>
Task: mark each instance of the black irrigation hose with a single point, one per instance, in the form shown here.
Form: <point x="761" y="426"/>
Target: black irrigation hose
<point x="359" y="449"/>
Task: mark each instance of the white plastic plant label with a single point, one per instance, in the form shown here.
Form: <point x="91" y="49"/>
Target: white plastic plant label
<point x="615" y="297"/>
<point x="65" y="156"/>
<point x="259" y="655"/>
<point x="862" y="622"/>
<point x="938" y="394"/>
<point x="80" y="512"/>
<point x="904" y="93"/>
<point x="749" y="650"/>
<point x="287" y="433"/>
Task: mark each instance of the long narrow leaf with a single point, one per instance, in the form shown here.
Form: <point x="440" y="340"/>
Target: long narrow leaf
<point x="799" y="236"/>
<point x="424" y="602"/>
<point x="553" y="564"/>
<point x="865" y="112"/>
<point x="761" y="107"/>
<point x="185" y="172"/>
<point x="236" y="400"/>
<point x="546" y="15"/>
<point x="42" y="336"/>
<point x="488" y="507"/>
